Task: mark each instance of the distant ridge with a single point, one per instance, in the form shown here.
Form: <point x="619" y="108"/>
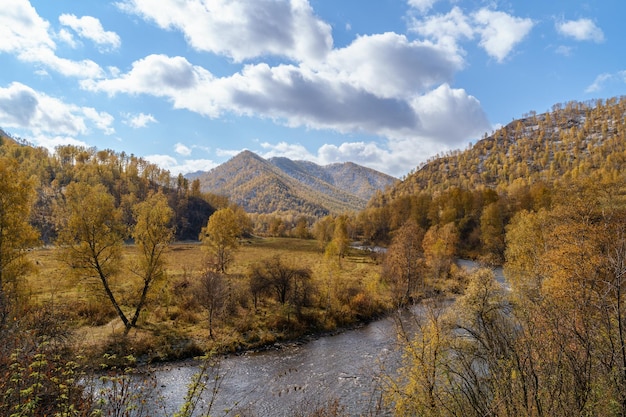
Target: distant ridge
<point x="280" y="185"/>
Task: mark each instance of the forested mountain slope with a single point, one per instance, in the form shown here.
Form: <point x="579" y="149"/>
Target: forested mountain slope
<point x="281" y="186"/>
<point x="127" y="178"/>
<point x="572" y="140"/>
<point x="523" y="166"/>
<point x="348" y="177"/>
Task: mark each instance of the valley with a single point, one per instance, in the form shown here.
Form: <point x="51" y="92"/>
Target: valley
<point x="108" y="258"/>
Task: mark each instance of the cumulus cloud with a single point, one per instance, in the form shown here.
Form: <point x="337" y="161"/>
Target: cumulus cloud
<point x="21" y="28"/>
<point x="581" y="30"/>
<point x="498" y="32"/>
<point x="367" y="153"/>
<point x="52" y="142"/>
<point x="140" y="120"/>
<point x="401" y="67"/>
<point x="404" y="95"/>
<point x="67" y="37"/>
<point x="102" y="120"/>
<point x="182" y="149"/>
<point x="242" y="29"/>
<point x="449" y="115"/>
<point x="175" y="167"/>
<point x="90" y="28"/>
<point x="25" y="34"/>
<point x="293" y="151"/>
<point x="346" y="93"/>
<point x="24" y="108"/>
<point x="447" y="28"/>
<point x="174" y="78"/>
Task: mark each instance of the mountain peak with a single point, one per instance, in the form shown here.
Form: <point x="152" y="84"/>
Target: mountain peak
<point x="281" y="185"/>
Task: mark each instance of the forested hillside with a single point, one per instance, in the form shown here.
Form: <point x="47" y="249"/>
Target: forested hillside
<point x="127" y="178"/>
<point x="546" y="197"/>
<point x="347" y="177"/>
<point x="518" y="167"/>
<point x="283" y="187"/>
<point x="573" y="140"/>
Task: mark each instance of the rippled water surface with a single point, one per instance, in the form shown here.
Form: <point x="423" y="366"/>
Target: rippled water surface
<point x="300" y="377"/>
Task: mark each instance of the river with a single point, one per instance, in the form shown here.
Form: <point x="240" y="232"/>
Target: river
<point x="298" y="378"/>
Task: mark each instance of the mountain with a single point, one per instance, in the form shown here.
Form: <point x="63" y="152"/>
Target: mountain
<point x="349" y="177"/>
<point x="574" y="139"/>
<point x="280" y="185"/>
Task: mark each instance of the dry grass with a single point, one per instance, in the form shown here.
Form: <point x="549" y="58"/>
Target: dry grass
<point x="174" y="324"/>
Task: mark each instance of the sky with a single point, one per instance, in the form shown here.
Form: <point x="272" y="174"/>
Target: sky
<point x="388" y="84"/>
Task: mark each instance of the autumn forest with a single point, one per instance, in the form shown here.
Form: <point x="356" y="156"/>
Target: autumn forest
<point x="108" y="262"/>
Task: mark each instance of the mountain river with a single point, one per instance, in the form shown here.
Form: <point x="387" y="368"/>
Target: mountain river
<point x="297" y="378"/>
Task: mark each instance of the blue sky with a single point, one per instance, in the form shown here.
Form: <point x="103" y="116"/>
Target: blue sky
<point x="188" y="84"/>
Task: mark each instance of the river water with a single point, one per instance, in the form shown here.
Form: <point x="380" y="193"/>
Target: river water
<point x="299" y="378"/>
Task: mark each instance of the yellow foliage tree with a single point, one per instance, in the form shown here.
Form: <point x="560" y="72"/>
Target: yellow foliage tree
<point x="16" y="234"/>
<point x="220" y="238"/>
<point x="439" y="249"/>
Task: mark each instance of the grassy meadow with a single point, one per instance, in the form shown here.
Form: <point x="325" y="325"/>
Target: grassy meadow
<point x="175" y="323"/>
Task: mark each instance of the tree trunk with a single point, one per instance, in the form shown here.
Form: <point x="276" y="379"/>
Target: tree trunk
<point x="107" y="289"/>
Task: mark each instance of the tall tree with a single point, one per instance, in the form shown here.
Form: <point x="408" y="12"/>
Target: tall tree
<point x="403" y="265"/>
<point x="211" y="294"/>
<point x="16" y="234"/>
<point x="340" y="240"/>
<point x="492" y="224"/>
<point x="420" y="388"/>
<point x="152" y="233"/>
<point x="220" y="238"/>
<point x="91" y="236"/>
<point x="439" y="248"/>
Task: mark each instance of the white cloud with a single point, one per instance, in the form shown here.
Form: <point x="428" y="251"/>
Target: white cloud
<point x="24" y="33"/>
<point x="601" y="80"/>
<point x="24" y="108"/>
<point x="181" y="149"/>
<point x="80" y="69"/>
<point x="140" y="120"/>
<point x="293" y="151"/>
<point x="227" y="152"/>
<point x="52" y="142"/>
<point x="21" y="28"/>
<point x="376" y="98"/>
<point x="403" y="95"/>
<point x="90" y="28"/>
<point x="370" y="154"/>
<point x="500" y="32"/>
<point x="169" y="163"/>
<point x="348" y="93"/>
<point x="65" y="36"/>
<point x="158" y="75"/>
<point x="450" y="115"/>
<point x="102" y="120"/>
<point x="447" y="29"/>
<point x="242" y="29"/>
<point x="422" y="5"/>
<point x="581" y="30"/>
<point x="401" y="68"/>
